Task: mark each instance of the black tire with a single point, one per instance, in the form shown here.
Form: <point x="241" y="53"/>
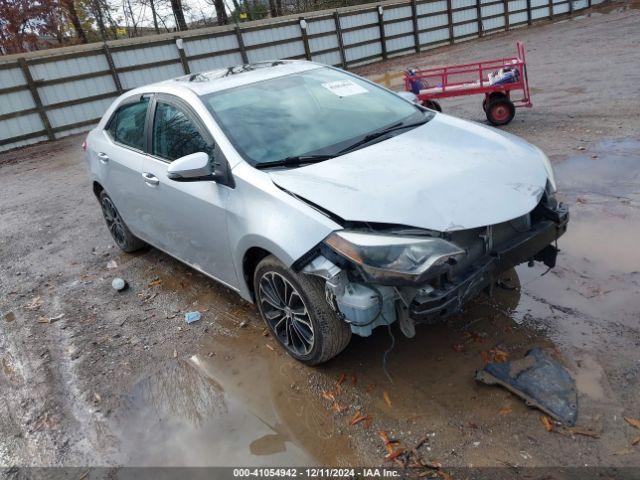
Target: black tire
<point x="119" y="231"/>
<point x="490" y="97"/>
<point x="433" y="105"/>
<point x="500" y="111"/>
<point x="312" y="337"/>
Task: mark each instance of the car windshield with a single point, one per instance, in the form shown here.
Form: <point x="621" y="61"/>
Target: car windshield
<point x="316" y="112"/>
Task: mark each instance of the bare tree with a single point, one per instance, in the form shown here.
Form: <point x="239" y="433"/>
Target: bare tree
<point x="221" y="11"/>
<point x="178" y="13"/>
<point x="71" y="12"/>
<point x="154" y="15"/>
<point x="273" y="8"/>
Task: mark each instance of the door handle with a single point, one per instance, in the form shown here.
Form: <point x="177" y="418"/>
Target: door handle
<point x="104" y="158"/>
<point x="150" y="179"/>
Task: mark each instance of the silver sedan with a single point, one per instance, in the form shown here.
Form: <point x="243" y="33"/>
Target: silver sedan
<point x="334" y="204"/>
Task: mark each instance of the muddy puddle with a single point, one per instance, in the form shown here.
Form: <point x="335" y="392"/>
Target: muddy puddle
<point x="598" y="272"/>
<point x="237" y="400"/>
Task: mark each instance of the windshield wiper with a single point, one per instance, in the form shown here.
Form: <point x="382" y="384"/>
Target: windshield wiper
<point x="294" y="161"/>
<point x="380" y="133"/>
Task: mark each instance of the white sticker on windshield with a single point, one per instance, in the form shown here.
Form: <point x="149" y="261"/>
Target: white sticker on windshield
<point x="344" y="88"/>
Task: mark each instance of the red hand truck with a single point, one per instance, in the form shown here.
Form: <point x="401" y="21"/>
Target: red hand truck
<point x="496" y="79"/>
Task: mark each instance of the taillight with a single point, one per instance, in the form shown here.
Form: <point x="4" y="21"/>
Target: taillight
<point x="84" y="146"/>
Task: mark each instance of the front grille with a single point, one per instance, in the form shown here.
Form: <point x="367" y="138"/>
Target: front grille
<point x="477" y="244"/>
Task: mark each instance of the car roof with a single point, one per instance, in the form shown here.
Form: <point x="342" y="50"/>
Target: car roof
<point x="225" y="78"/>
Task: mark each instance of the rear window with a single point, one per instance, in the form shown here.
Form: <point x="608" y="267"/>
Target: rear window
<point x="127" y="124"/>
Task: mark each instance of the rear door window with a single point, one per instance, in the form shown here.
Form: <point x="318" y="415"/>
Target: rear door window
<point x="127" y="124"/>
<point x="175" y="134"/>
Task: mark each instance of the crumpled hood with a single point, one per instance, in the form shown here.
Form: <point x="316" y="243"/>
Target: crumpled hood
<point x="446" y="175"/>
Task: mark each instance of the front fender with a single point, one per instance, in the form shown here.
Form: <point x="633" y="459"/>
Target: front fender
<point x="262" y="215"/>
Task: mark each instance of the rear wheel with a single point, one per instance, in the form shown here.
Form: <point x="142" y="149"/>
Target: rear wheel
<point x="492" y="96"/>
<point x="500" y="111"/>
<point x="433" y="105"/>
<point x="121" y="234"/>
<point x="296" y="311"/>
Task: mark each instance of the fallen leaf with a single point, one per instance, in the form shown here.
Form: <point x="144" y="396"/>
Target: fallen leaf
<point x="387" y="400"/>
<point x="633" y="421"/>
<point x="548" y="425"/>
<point x="328" y="396"/>
<point x="584" y="433"/>
<point x="505" y="410"/>
<point x="34" y="304"/>
<point x="155" y="283"/>
<point x="635" y="441"/>
<point x="368" y="421"/>
<point x="624" y="451"/>
<point x="342" y="378"/>
<point x="336" y="407"/>
<point x="356" y="415"/>
<point x="433" y="464"/>
<point x="359" y="419"/>
<point x="485" y="357"/>
<point x="444" y="475"/>
<point x="499" y="356"/>
<point x="56" y="318"/>
<point x="387" y="442"/>
<point x="393" y="455"/>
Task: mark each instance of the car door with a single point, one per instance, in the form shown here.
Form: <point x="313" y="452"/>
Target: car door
<point x="185" y="219"/>
<point x="118" y="152"/>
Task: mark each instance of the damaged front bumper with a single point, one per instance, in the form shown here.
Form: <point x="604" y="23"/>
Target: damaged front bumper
<point x="367" y="302"/>
<point x="535" y="244"/>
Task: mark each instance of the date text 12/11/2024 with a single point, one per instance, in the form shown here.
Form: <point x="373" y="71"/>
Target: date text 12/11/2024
<point x="311" y="472"/>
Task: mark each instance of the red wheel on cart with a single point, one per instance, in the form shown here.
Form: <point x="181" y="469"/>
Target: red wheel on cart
<point x="492" y="96"/>
<point x="500" y="111"/>
<point x="433" y="105"/>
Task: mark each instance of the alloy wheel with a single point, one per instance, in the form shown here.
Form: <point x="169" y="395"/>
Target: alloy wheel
<point x="114" y="222"/>
<point x="286" y="313"/>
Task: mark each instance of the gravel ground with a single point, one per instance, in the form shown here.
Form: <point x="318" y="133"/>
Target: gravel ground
<point x="93" y="377"/>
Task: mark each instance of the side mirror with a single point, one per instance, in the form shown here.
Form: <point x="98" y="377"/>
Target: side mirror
<point x="191" y="168"/>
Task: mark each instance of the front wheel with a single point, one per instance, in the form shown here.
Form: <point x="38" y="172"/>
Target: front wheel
<point x="432" y="105"/>
<point x="296" y="311"/>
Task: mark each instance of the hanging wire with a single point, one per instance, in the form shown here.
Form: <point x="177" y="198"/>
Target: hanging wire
<point x="385" y="355"/>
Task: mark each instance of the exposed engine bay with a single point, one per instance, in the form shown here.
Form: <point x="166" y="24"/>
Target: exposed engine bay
<point x="433" y="275"/>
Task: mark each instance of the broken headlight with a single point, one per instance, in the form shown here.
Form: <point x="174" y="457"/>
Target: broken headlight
<point x="385" y="257"/>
